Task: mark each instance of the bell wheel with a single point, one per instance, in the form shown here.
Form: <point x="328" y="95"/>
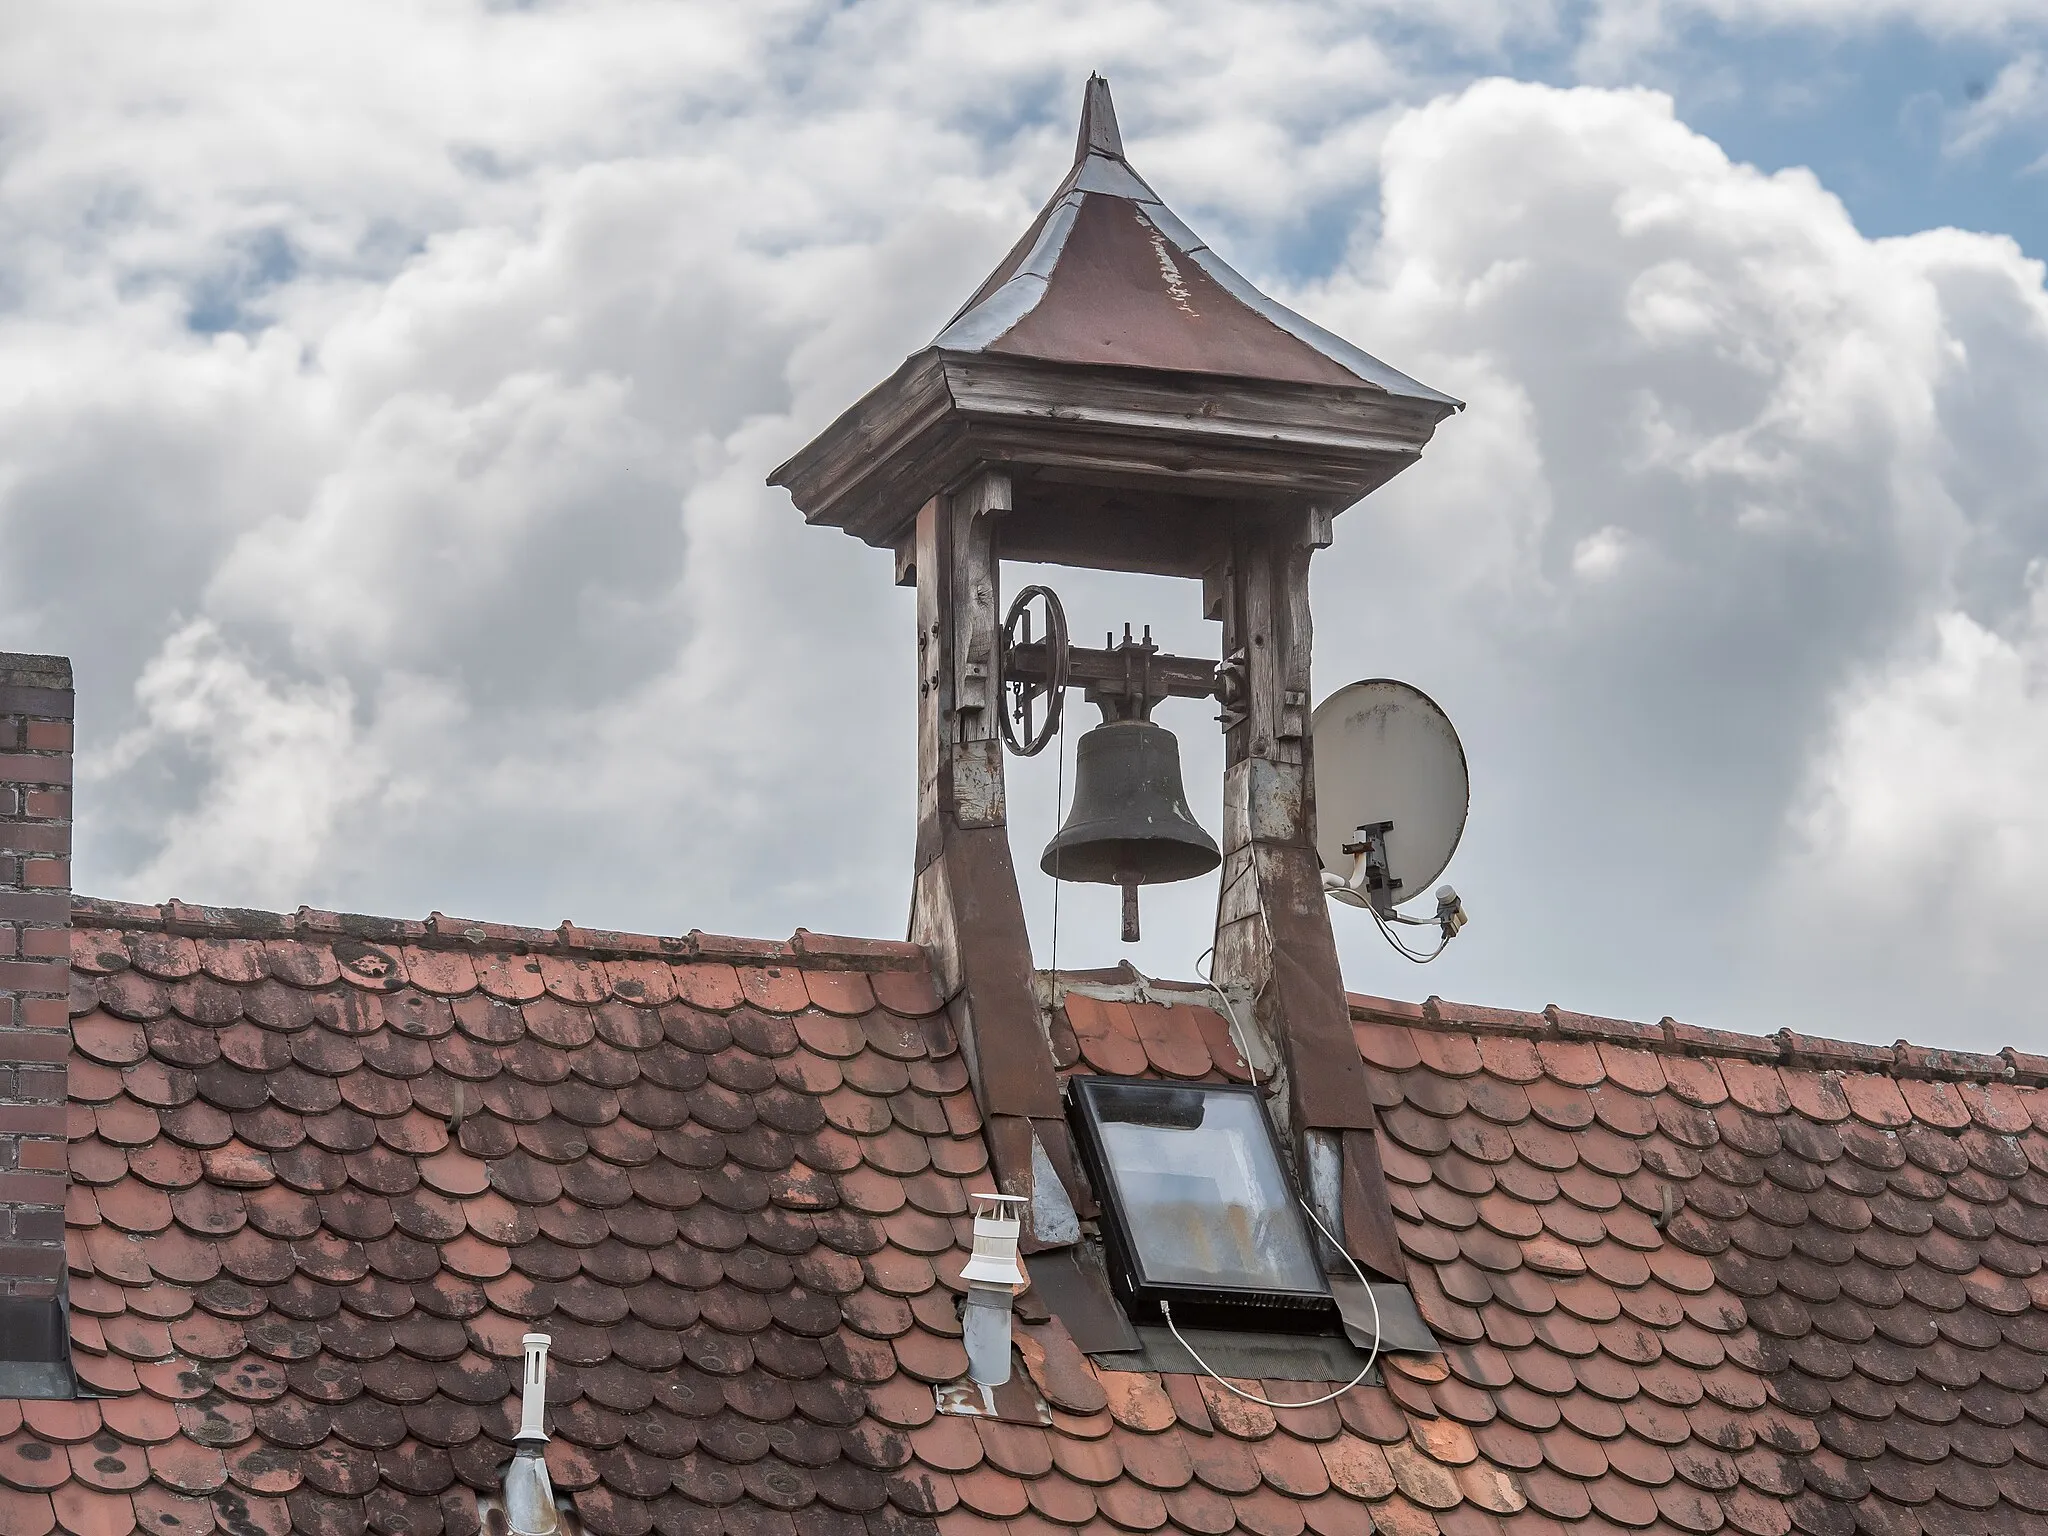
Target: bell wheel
<point x="1033" y="691"/>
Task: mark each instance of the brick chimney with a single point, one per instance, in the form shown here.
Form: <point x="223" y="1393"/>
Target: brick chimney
<point x="35" y="1036"/>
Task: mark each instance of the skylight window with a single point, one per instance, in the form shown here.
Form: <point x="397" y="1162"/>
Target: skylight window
<point x="1200" y="1212"/>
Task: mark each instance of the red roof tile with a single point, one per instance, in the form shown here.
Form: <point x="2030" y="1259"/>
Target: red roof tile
<point x="327" y="1171"/>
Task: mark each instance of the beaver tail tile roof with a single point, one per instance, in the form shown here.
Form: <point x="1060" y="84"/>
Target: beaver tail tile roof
<point x="325" y="1172"/>
<point x="1109" y="274"/>
<point x="1685" y="1280"/>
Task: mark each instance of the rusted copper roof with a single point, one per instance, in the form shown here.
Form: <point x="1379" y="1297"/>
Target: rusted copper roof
<point x="325" y="1172"/>
<point x="1126" y="378"/>
<point x="1109" y="274"/>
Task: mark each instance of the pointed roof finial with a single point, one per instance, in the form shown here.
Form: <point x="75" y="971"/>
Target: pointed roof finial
<point x="1099" y="134"/>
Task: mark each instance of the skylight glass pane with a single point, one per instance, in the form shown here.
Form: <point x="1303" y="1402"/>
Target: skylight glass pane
<point x="1199" y="1189"/>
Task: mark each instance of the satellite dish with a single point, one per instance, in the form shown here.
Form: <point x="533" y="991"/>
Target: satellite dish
<point x="1391" y="788"/>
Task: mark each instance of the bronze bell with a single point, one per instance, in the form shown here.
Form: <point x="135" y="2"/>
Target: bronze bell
<point x="1130" y="824"/>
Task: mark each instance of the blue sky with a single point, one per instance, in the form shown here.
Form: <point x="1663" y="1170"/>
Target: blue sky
<point x="1871" y="117"/>
<point x="386" y="394"/>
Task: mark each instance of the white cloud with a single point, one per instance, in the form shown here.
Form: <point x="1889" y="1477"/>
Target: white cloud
<point x="2017" y="95"/>
<point x="444" y="575"/>
<point x="1599" y="555"/>
<point x="1940" y="17"/>
<point x="1783" y="445"/>
<point x="1923" y="830"/>
<point x="519" y="307"/>
<point x="277" y="763"/>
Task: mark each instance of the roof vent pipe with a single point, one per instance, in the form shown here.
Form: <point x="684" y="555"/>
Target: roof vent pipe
<point x="992" y="1277"/>
<point x="529" y="1495"/>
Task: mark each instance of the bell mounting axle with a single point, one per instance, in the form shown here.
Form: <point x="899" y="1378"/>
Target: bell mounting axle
<point x="1126" y="681"/>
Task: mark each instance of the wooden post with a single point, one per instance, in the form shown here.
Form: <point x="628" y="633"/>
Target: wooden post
<point x="966" y="910"/>
<point x="1273" y="937"/>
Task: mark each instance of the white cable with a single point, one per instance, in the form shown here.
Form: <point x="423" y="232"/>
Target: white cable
<point x="1372" y="1359"/>
<point x="1059" y="814"/>
<point x="1166" y="1307"/>
<point x="1387" y="933"/>
<point x="1208" y="976"/>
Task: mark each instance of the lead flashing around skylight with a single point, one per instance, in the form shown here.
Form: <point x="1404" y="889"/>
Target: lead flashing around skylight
<point x="1389" y="1313"/>
<point x="1244" y="1355"/>
<point x="1054" y="1222"/>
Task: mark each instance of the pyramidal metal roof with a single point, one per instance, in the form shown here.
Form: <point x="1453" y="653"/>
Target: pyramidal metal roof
<point x="1113" y="352"/>
<point x="1108" y="274"/>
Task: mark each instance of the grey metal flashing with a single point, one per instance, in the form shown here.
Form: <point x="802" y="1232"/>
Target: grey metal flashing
<point x="1099" y="132"/>
<point x="40" y="1379"/>
<point x="1332" y="346"/>
<point x="35" y="1348"/>
<point x="1000" y="311"/>
<point x="1112" y="178"/>
<point x="1368" y="368"/>
<point x="1053" y="1218"/>
<point x="1401" y="1328"/>
<point x="1074" y="1287"/>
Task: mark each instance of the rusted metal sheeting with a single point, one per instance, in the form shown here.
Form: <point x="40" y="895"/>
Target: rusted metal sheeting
<point x="1108" y="273"/>
<point x="1121" y="293"/>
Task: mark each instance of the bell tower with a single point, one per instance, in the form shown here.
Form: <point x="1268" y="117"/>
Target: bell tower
<point x="1115" y="396"/>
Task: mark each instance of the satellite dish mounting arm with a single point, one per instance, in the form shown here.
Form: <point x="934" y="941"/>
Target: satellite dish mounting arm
<point x="1372" y="876"/>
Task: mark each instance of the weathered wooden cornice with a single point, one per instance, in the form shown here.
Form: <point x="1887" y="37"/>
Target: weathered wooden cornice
<point x="1168" y="446"/>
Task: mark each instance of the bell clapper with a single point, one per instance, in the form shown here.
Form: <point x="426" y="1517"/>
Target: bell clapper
<point x="1130" y="911"/>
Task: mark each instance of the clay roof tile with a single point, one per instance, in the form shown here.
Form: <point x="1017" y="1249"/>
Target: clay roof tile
<point x="741" y="1215"/>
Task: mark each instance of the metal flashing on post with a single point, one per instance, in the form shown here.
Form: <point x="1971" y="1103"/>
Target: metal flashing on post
<point x="35" y="1348"/>
<point x="1054" y="1222"/>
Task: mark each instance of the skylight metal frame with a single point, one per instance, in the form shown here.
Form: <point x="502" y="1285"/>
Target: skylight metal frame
<point x="1137" y="1286"/>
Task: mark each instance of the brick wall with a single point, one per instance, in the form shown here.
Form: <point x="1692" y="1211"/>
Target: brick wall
<point x="35" y="968"/>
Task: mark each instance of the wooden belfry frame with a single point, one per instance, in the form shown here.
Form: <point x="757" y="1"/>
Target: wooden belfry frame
<point x="1116" y="397"/>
